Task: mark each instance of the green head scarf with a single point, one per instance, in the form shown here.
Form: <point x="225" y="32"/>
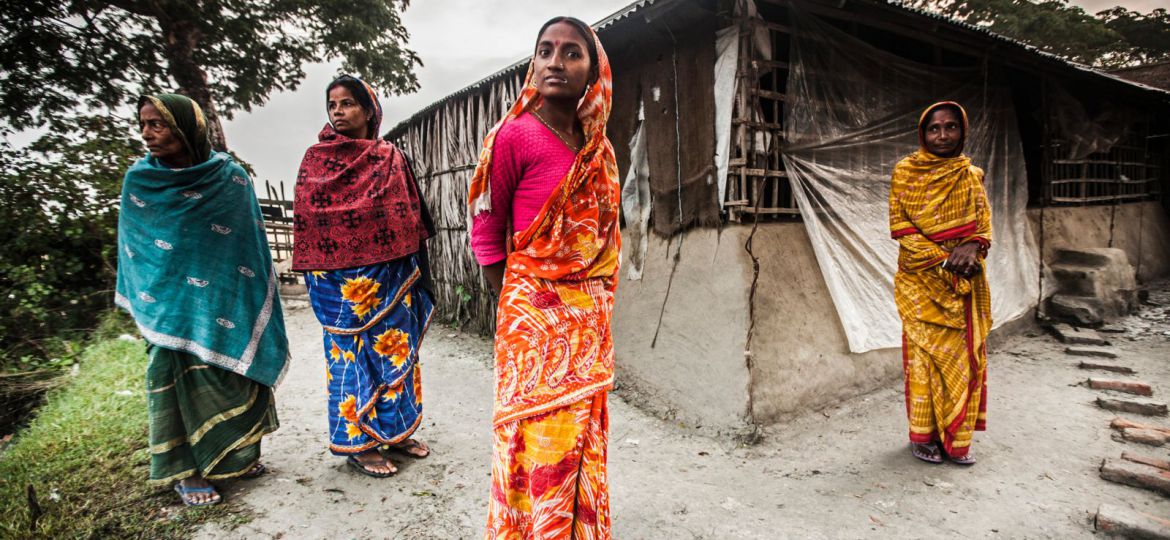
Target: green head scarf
<point x="186" y="120"/>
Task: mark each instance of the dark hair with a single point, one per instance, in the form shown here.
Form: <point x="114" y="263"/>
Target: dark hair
<point x="363" y="98"/>
<point x="586" y="34"/>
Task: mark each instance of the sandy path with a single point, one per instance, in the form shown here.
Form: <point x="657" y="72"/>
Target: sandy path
<point x="841" y="473"/>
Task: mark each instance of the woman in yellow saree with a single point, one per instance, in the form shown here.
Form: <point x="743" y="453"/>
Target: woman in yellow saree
<point x="941" y="218"/>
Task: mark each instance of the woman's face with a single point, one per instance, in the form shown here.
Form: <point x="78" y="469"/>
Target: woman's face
<point x="347" y="115"/>
<point x="163" y="143"/>
<point x="561" y="64"/>
<point x="943" y="132"/>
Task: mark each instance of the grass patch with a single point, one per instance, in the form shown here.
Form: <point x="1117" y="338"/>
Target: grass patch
<point x="85" y="454"/>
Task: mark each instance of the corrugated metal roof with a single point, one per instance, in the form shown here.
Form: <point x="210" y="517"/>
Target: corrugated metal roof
<point x="633" y="8"/>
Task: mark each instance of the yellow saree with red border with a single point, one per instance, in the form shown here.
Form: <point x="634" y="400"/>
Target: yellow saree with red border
<point x="937" y="204"/>
<point x="554" y="353"/>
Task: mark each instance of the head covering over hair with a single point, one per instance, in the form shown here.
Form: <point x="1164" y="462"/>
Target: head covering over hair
<point x="365" y="96"/>
<point x="357" y="201"/>
<point x="958" y="109"/>
<point x="592" y="110"/>
<point x="186" y="120"/>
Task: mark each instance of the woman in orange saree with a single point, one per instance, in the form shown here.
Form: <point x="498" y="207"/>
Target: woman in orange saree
<point x="554" y="351"/>
<point x="941" y="218"/>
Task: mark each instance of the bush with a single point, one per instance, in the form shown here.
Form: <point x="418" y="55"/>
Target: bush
<point x="58" y="228"/>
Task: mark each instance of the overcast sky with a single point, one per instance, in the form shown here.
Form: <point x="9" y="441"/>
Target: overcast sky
<point x="459" y="41"/>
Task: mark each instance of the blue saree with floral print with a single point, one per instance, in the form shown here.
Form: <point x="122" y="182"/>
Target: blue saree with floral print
<point x="374" y="320"/>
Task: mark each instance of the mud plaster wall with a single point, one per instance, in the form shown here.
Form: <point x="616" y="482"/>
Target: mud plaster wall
<point x="801" y="357"/>
<point x="697" y="375"/>
<point x="1141" y="229"/>
<point x="696" y="372"/>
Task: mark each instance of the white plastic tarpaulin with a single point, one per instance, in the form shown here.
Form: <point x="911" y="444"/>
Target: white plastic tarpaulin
<point x="726" y="62"/>
<point x="852" y="113"/>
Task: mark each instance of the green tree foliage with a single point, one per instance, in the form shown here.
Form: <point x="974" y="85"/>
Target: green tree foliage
<point x="1112" y="38"/>
<point x="227" y="55"/>
<point x="58" y="207"/>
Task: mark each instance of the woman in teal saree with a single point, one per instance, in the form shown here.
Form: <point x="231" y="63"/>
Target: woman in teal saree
<point x="195" y="272"/>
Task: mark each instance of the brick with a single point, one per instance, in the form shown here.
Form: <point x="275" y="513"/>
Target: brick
<point x="1160" y="463"/>
<point x="1086" y="350"/>
<point x="1137" y="475"/>
<point x="1124" y="522"/>
<point x="1121" y="423"/>
<point x="1137" y="388"/>
<point x="1135" y="406"/>
<point x="1144" y="436"/>
<point x="1106" y="366"/>
<point x="1077" y="336"/>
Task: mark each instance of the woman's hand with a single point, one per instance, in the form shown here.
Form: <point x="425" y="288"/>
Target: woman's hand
<point x="494" y="275"/>
<point x="964" y="260"/>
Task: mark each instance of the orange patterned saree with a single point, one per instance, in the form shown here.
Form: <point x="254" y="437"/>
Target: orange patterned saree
<point x="937" y="204"/>
<point x="554" y="351"/>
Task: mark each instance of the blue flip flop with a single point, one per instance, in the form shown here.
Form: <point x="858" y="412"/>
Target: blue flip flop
<point x="184" y="491"/>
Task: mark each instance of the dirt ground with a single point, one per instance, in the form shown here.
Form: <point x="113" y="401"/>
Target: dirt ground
<point x="844" y="472"/>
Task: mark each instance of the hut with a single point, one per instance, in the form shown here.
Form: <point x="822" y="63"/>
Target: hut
<point x="756" y="139"/>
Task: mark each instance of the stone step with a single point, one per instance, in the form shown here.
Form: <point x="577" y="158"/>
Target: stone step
<point x="1126" y="523"/>
<point x="1093" y="257"/>
<point x="1147" y="437"/>
<point x="1076" y="309"/>
<point x="1134" y="406"/>
<point x="1075" y="279"/>
<point x="1106" y="366"/>
<point x="1085" y="350"/>
<point x="1137" y="475"/>
<point x="1121" y="423"/>
<point x="1137" y="388"/>
<point x="1160" y="463"/>
<point x="1076" y="336"/>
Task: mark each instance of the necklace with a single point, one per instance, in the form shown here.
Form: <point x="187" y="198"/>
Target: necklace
<point x="557" y="132"/>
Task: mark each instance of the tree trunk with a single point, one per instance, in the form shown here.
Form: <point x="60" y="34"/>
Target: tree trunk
<point x="182" y="38"/>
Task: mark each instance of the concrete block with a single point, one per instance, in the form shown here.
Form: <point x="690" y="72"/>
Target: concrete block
<point x="1105" y="366"/>
<point x="1085" y="350"/>
<point x="1129" y="523"/>
<point x="1160" y="463"/>
<point x="1076" y="309"/>
<point x="1136" y="388"/>
<point x="1135" y="406"/>
<point x="1077" y="336"/>
<point x="1137" y="475"/>
<point x="1112" y="329"/>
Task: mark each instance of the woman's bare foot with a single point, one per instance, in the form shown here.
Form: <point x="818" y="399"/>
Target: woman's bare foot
<point x="373" y="462"/>
<point x="197" y="491"/>
<point x="413" y="448"/>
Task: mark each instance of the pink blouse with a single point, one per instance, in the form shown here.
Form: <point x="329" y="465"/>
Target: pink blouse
<point x="528" y="162"/>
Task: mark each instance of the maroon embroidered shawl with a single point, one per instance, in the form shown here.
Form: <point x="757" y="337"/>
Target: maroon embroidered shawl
<point x="356" y="203"/>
